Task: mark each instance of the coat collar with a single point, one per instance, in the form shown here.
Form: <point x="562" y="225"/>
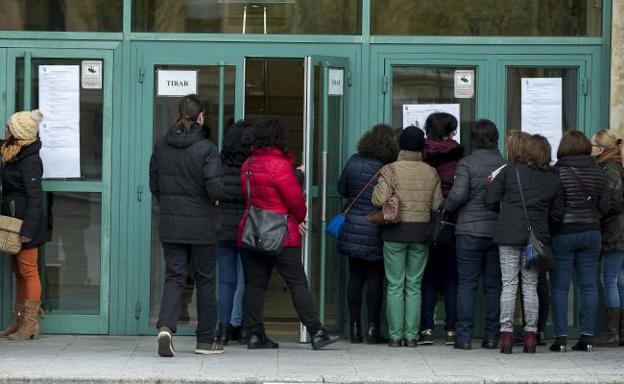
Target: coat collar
<point x="273" y="151"/>
<point x="409" y="156"/>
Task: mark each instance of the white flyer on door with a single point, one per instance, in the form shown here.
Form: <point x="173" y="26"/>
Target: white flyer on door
<point x="542" y="109"/>
<point x="416" y="115"/>
<point x="59" y="101"/>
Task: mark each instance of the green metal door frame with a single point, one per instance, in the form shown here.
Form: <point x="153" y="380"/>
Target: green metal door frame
<point x="53" y="323"/>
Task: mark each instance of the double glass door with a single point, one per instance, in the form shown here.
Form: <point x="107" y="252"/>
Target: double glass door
<point x="306" y="93"/>
<point x="73" y="89"/>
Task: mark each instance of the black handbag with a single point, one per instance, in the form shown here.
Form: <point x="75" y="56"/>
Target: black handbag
<point x="444" y="227"/>
<point x="264" y="231"/>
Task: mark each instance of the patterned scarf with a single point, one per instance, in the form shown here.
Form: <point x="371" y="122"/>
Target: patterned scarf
<point x="12" y="147"/>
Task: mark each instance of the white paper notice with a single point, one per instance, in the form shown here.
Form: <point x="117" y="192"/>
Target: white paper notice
<point x="59" y="101"/>
<point x="542" y="109"/>
<point x="416" y="114"/>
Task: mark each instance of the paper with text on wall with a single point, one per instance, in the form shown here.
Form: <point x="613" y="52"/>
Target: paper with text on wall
<point x="416" y="115"/>
<point x="542" y="109"/>
<point x="59" y="101"/>
<point x="176" y="83"/>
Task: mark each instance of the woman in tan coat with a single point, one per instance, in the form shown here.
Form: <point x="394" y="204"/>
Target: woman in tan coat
<point x="406" y="248"/>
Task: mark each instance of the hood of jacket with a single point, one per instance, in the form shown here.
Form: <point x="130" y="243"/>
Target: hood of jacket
<point x="582" y="161"/>
<point x="442" y="151"/>
<point x="178" y="139"/>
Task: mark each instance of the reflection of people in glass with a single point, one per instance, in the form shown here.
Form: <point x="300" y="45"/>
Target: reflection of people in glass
<point x="187" y="179"/>
<point x="22" y="197"/>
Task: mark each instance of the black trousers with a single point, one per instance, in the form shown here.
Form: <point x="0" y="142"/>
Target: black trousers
<point x="257" y="269"/>
<point x="370" y="273"/>
<point x="440" y="276"/>
<point x="204" y="260"/>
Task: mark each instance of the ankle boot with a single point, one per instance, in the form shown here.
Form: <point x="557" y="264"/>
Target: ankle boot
<point x="530" y="342"/>
<point x="225" y="333"/>
<point x="16" y="321"/>
<point x="373" y="336"/>
<point x="356" y="332"/>
<point x="610" y="335"/>
<point x="507" y="342"/>
<point x="560" y="344"/>
<point x="585" y="344"/>
<point x="30" y="322"/>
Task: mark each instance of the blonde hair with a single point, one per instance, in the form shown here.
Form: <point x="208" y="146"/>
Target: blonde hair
<point x="611" y="143"/>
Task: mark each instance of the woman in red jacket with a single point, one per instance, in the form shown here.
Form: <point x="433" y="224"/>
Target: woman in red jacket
<point x="275" y="188"/>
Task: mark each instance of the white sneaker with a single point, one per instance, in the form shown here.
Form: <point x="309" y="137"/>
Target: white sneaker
<point x="209" y="348"/>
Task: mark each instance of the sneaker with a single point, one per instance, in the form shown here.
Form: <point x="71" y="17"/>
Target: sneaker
<point x="165" y="342"/>
<point x="323" y="338"/>
<point x="426" y="337"/>
<point x="209" y="348"/>
<point x="450" y="337"/>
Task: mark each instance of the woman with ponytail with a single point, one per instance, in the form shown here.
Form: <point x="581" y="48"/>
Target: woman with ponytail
<point x="22" y="197"/>
<point x="608" y="149"/>
<point x="186" y="177"/>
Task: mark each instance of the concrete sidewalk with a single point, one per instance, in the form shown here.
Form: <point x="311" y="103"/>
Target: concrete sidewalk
<point x="106" y="359"/>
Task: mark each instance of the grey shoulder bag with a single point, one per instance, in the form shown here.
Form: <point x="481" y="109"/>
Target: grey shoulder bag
<point x="264" y="231"/>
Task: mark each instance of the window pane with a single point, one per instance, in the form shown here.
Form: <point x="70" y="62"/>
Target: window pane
<point x="91" y="114"/>
<point x="431" y="85"/>
<point x="487" y="18"/>
<point x="73" y="253"/>
<point x="248" y="16"/>
<point x="62" y="15"/>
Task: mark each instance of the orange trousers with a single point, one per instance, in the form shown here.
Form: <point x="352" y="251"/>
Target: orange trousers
<point x="26" y="269"/>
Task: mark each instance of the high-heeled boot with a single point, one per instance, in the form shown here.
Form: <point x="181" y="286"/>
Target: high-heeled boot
<point x="507" y="342"/>
<point x="530" y="342"/>
<point x="29" y="328"/>
<point x="585" y="344"/>
<point x="16" y="321"/>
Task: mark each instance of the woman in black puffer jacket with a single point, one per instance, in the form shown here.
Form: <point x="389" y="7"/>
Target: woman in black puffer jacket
<point x="576" y="241"/>
<point x="236" y="149"/>
<point x="361" y="240"/>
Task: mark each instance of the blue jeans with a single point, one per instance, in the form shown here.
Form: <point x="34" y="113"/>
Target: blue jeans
<point x="231" y="284"/>
<point x="578" y="251"/>
<point x="477" y="257"/>
<point x="613" y="278"/>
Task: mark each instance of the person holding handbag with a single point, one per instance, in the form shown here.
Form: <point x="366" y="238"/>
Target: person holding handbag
<point x="22" y="197"/>
<point x="528" y="196"/>
<point x="576" y="241"/>
<point x="416" y="187"/>
<point x="273" y="194"/>
<point x="360" y="240"/>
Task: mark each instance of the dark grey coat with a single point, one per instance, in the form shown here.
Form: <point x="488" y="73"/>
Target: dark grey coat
<point x="186" y="177"/>
<point x="613" y="222"/>
<point x="466" y="195"/>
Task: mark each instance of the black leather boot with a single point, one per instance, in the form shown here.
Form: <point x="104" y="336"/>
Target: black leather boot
<point x="560" y="344"/>
<point x="261" y="341"/>
<point x="585" y="344"/>
<point x="236" y="333"/>
<point x="356" y="332"/>
<point x="323" y="338"/>
<point x="373" y="336"/>
<point x="225" y="333"/>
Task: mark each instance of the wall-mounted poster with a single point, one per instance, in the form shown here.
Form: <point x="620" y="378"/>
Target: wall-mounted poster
<point x="542" y="109"/>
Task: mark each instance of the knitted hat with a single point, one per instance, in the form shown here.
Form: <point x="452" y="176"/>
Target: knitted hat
<point x="25" y="125"/>
<point x="412" y="139"/>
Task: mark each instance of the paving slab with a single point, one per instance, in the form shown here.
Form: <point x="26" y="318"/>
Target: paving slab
<point x="115" y="359"/>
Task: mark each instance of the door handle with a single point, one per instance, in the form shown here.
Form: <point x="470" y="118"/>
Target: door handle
<point x="324" y="188"/>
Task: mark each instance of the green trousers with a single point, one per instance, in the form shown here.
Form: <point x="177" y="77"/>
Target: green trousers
<point x="405" y="265"/>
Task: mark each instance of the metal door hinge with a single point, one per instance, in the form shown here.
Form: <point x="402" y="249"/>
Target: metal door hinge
<point x="139" y="192"/>
<point x="384" y="84"/>
<point x="349" y="79"/>
<point x="141" y="74"/>
<point x="585" y="86"/>
<point x="137" y="310"/>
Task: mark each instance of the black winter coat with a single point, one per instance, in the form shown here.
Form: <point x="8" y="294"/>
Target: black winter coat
<point x="359" y="238"/>
<point x="466" y="196"/>
<point x="21" y="188"/>
<point x="232" y="203"/>
<point x="543" y="195"/>
<point x="613" y="222"/>
<point x="186" y="177"/>
<point x="578" y="214"/>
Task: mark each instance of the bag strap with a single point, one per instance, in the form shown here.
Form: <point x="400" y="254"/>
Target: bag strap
<point x="588" y="196"/>
<point x="249" y="181"/>
<point x="361" y="192"/>
<point x="524" y="208"/>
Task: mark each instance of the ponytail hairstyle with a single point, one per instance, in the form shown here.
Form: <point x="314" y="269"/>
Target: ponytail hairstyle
<point x="189" y="109"/>
<point x="612" y="144"/>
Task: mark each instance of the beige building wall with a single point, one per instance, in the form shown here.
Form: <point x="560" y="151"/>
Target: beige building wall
<point x="617" y="67"/>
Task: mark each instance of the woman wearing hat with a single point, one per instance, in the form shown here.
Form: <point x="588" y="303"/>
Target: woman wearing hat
<point x="406" y="246"/>
<point x="22" y="197"/>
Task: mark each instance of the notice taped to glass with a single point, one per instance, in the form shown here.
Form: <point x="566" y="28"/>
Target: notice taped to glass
<point x="59" y="101"/>
<point x="91" y="74"/>
<point x="464" y="84"/>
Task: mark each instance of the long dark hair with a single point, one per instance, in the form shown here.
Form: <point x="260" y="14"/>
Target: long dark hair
<point x="379" y="143"/>
<point x="189" y="109"/>
<point x="237" y="143"/>
<point x="270" y="133"/>
<point x="440" y="124"/>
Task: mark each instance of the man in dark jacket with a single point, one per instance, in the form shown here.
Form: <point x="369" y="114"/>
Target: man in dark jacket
<point x="477" y="255"/>
<point x="186" y="178"/>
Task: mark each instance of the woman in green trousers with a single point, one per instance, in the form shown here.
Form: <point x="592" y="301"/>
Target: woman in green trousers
<point x="406" y="248"/>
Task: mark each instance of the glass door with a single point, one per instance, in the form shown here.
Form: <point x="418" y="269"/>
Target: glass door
<point x="324" y="121"/>
<point x="165" y="79"/>
<point x="5" y="263"/>
<point x="73" y="89"/>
